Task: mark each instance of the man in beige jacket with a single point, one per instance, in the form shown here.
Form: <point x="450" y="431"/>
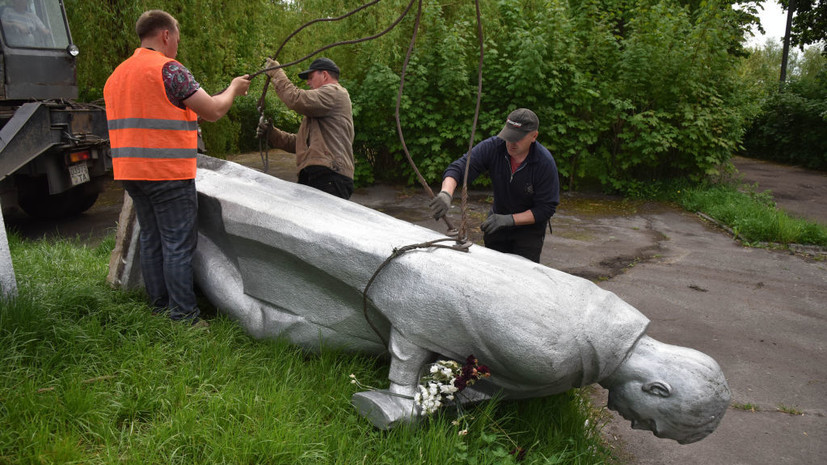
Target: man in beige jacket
<point x="324" y="143"/>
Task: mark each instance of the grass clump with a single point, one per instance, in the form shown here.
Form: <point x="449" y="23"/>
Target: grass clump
<point x="753" y="217"/>
<point x="89" y="376"/>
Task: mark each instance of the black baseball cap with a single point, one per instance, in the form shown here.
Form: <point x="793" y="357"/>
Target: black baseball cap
<point x="519" y="123"/>
<point x="320" y="64"/>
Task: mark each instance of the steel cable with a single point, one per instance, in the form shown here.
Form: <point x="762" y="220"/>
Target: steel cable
<point x="463" y="232"/>
<point x="336" y="44"/>
<point x="464" y="198"/>
<point x="461" y="242"/>
<point x="398" y="251"/>
<point x="260" y="107"/>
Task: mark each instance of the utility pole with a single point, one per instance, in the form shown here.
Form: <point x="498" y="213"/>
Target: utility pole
<point x="786" y="52"/>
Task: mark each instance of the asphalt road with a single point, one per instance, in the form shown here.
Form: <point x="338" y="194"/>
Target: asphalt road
<point x="760" y="313"/>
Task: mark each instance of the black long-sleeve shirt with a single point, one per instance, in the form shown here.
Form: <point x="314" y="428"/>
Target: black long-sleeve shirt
<point x="533" y="186"/>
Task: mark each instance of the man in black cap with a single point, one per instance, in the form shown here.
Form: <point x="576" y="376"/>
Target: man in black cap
<point x="525" y="182"/>
<point x="324" y="143"/>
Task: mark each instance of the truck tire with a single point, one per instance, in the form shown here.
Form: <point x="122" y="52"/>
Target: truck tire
<point x="36" y="201"/>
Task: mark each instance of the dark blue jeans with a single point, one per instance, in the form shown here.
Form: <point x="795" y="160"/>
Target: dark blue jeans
<point x="167" y="212"/>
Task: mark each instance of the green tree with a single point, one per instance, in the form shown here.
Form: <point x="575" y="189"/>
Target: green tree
<point x="214" y="47"/>
<point x="627" y="90"/>
<point x="809" y="23"/>
<point x="791" y="124"/>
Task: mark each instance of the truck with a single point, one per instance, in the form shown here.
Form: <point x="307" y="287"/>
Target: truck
<point x="55" y="157"/>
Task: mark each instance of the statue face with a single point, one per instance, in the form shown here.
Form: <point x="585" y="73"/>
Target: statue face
<point x="631" y="402"/>
<point x="660" y="409"/>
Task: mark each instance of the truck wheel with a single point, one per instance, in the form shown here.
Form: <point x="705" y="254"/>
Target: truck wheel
<point x="36" y="201"/>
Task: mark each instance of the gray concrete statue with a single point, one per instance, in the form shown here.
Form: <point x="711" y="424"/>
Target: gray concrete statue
<point x="288" y="261"/>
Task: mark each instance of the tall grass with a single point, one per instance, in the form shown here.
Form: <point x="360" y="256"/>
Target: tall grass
<point x="753" y="217"/>
<point x="89" y="376"/>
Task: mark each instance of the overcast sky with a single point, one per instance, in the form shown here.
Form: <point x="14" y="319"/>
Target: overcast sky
<point x="774" y="21"/>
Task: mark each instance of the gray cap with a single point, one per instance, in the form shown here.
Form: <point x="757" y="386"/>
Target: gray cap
<point x="320" y="64"/>
<point x="519" y="123"/>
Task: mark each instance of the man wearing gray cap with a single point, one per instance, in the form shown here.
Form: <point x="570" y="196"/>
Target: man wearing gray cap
<point x="525" y="183"/>
<point x="324" y="143"/>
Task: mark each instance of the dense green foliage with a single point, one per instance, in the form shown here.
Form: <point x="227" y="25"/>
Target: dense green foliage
<point x="626" y="91"/>
<point x="89" y="376"/>
<point x="792" y="123"/>
<point x="219" y="40"/>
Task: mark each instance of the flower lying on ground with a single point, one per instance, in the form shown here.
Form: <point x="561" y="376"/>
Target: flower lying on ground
<point x="446" y="378"/>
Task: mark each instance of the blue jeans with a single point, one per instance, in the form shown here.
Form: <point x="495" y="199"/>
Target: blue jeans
<point x="167" y="213"/>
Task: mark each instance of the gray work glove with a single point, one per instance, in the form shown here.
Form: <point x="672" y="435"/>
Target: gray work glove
<point x="496" y="222"/>
<point x="263" y="127"/>
<point x="440" y="204"/>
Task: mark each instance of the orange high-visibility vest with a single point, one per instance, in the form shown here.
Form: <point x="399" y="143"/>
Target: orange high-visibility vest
<point x="151" y="139"/>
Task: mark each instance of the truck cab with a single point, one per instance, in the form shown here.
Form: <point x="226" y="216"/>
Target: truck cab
<point x="54" y="152"/>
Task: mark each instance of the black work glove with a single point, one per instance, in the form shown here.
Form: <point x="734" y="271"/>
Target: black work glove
<point x="440" y="204"/>
<point x="496" y="222"/>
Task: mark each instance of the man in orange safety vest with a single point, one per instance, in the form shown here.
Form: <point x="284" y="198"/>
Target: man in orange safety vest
<point x="152" y="106"/>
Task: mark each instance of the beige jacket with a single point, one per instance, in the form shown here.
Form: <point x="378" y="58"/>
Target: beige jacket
<point x="325" y="137"/>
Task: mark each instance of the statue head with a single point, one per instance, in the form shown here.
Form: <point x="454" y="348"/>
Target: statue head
<point x="675" y="392"/>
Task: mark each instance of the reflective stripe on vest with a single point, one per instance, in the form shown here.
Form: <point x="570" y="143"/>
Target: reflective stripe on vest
<point x="151" y="138"/>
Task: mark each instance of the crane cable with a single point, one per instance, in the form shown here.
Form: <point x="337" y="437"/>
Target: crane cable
<point x="260" y="106"/>
<point x="452" y="231"/>
<point x="462" y="234"/>
<point x="262" y="145"/>
<point x="461" y="241"/>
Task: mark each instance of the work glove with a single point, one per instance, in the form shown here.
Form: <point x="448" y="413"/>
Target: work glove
<point x="271" y="63"/>
<point x="440" y="204"/>
<point x="496" y="222"/>
<point x="263" y="127"/>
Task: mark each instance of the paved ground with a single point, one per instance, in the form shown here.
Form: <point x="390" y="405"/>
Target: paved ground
<point x="760" y="313"/>
<point x="797" y="191"/>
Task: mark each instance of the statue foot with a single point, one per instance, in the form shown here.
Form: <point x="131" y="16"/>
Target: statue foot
<point x="385" y="409"/>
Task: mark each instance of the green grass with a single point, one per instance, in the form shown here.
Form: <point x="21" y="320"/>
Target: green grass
<point x="89" y="376"/>
<point x="789" y="410"/>
<point x="753" y="217"/>
<point x="747" y="407"/>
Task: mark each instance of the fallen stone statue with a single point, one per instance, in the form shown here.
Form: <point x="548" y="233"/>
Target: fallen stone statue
<point x="285" y="260"/>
